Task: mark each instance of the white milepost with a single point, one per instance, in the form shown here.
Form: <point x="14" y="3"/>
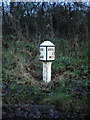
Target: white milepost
<point x="47" y="55"/>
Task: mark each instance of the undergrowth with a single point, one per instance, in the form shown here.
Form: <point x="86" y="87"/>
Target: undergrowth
<point x="22" y="75"/>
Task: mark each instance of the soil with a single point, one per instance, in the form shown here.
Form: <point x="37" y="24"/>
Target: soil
<point x="39" y="112"/>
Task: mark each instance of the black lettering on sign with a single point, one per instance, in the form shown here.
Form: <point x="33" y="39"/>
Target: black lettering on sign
<point x="41" y="49"/>
<point x="50" y="49"/>
<point x="41" y="56"/>
<point x="50" y="56"/>
<point x="52" y="53"/>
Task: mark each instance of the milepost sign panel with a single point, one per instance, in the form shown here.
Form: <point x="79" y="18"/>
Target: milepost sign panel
<point x="47" y="51"/>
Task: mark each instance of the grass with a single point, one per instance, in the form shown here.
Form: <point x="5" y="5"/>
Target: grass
<point x="23" y="77"/>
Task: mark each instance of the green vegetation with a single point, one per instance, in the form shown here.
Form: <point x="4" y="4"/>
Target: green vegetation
<point x="23" y="78"/>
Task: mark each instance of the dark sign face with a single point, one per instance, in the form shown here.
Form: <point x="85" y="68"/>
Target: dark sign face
<point x="47" y="53"/>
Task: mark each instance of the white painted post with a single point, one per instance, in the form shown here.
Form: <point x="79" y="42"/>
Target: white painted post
<point x="47" y="55"/>
<point x="47" y="71"/>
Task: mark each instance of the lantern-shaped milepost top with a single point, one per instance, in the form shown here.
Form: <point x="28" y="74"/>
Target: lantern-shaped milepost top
<point x="47" y="51"/>
<point x="47" y="55"/>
